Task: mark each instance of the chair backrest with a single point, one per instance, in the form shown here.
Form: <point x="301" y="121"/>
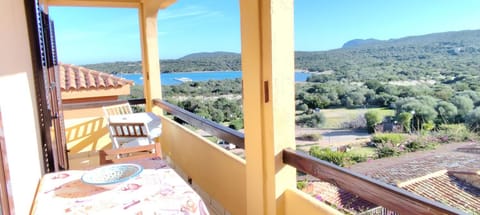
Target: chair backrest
<point x="118" y="109"/>
<point x="123" y="155"/>
<point x="128" y="129"/>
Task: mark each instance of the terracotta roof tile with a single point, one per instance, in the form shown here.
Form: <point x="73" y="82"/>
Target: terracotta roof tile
<point x="439" y="176"/>
<point x="339" y="198"/>
<point x="448" y="188"/>
<point x="80" y="78"/>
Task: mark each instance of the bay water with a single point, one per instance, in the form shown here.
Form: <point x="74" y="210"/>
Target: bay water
<point x="174" y="78"/>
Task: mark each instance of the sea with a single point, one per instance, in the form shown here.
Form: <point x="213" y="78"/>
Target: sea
<point x="174" y="78"/>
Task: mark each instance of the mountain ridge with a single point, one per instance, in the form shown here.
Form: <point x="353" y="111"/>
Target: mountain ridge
<point x="422" y="51"/>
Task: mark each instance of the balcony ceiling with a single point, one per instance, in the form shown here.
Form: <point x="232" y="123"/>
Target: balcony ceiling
<point x="110" y="3"/>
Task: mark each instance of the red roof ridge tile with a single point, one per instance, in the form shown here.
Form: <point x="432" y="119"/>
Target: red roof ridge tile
<point x="80" y="78"/>
<point x="422" y="178"/>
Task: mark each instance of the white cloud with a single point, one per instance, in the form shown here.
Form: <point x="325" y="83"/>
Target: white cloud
<point x="189" y="11"/>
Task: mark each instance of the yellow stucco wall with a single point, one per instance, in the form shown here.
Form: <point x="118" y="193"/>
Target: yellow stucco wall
<point x="298" y="202"/>
<point x="217" y="172"/>
<point x="18" y="105"/>
<point x="86" y="132"/>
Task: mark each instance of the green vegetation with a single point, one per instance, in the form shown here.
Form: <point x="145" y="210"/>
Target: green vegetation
<point x="302" y="184"/>
<point x="336" y="157"/>
<point x="364" y="151"/>
<point x="373" y="118"/>
<point x="314" y="120"/>
<point x="389" y="138"/>
<point x="421" y="84"/>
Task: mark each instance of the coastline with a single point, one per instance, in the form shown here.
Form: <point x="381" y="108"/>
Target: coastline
<point x="189" y="72"/>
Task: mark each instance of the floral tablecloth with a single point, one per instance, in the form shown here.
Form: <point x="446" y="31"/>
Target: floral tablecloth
<point x="154" y="191"/>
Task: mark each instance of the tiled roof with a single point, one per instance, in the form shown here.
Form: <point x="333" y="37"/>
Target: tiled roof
<point x="338" y="197"/>
<point x="80" y="78"/>
<point x="419" y="167"/>
<point x="449" y="188"/>
<point x="438" y="176"/>
<point x="451" y="177"/>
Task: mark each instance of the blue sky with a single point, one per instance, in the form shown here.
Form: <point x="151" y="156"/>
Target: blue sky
<point x="93" y="35"/>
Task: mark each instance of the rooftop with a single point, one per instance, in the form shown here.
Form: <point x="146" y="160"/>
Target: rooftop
<point x="449" y="187"/>
<point x="413" y="165"/>
<point x="435" y="174"/>
<point x="80" y="78"/>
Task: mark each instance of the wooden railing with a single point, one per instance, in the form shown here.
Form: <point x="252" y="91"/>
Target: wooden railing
<point x="222" y="132"/>
<point x="102" y="103"/>
<point x="375" y="191"/>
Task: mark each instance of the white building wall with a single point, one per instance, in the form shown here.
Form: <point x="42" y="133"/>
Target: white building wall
<point x="18" y="105"/>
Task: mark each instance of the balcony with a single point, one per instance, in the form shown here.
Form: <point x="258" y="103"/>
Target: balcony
<point x="218" y="175"/>
<point x="263" y="183"/>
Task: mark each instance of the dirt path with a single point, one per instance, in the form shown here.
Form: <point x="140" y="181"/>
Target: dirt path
<point x="332" y="138"/>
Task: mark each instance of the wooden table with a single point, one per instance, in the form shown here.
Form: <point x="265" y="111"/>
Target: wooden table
<point x="157" y="190"/>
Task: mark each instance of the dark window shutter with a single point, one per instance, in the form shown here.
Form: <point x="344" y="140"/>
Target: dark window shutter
<point x="49" y="104"/>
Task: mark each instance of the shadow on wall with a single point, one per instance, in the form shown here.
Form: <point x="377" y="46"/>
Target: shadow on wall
<point x="91" y="135"/>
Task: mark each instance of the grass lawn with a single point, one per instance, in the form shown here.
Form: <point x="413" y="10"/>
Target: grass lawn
<point x="364" y="151"/>
<point x="335" y="117"/>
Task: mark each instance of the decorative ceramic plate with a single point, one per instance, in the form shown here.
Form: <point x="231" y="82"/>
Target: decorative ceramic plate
<point x="111" y="175"/>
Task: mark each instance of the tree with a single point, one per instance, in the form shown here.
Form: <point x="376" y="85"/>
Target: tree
<point x="373" y="84"/>
<point x="446" y="112"/>
<point x="464" y="105"/>
<point x="372" y="118"/>
<point x="473" y="119"/>
<point x="405" y="119"/>
<point x="443" y="92"/>
<point x="354" y="98"/>
<point x="302" y="107"/>
<point x="312" y="121"/>
<point x="422" y="112"/>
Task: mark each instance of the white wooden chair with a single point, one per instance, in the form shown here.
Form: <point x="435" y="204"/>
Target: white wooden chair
<point x="118" y="109"/>
<point x="126" y="134"/>
<point x="129" y="134"/>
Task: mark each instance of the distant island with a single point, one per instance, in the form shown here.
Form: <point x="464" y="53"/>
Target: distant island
<point x="372" y="58"/>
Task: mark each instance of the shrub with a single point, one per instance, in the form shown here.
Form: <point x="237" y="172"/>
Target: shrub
<point x="357" y="158"/>
<point x="387" y="151"/>
<point x="372" y="118"/>
<point x="236" y="124"/>
<point x="314" y="120"/>
<point x="454" y="132"/>
<point x="336" y="157"/>
<point x="392" y="138"/>
<point x="310" y="137"/>
<point x="327" y="154"/>
<point x="414" y="146"/>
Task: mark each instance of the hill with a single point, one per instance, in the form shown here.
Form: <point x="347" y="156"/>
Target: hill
<point x="214" y="61"/>
<point x="212" y="56"/>
<point x="358" y="42"/>
<point x="431" y="56"/>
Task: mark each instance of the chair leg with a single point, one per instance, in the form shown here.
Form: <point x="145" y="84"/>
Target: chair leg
<point x="158" y="149"/>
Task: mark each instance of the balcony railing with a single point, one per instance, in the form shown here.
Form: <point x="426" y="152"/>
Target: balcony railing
<point x="376" y="192"/>
<point x="220" y="131"/>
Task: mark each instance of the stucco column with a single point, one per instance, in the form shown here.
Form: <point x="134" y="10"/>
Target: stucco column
<point x="268" y="99"/>
<point x="147" y="13"/>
